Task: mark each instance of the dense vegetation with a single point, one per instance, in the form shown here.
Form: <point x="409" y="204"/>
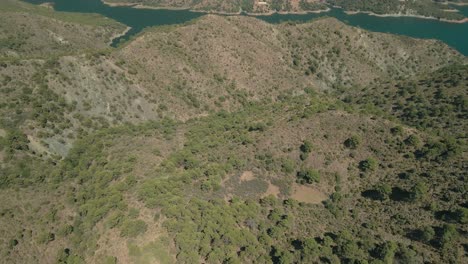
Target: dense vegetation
<point x="435" y="102"/>
<point x="190" y="191"/>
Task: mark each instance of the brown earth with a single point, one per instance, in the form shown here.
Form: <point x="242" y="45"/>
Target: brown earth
<point x="308" y="194"/>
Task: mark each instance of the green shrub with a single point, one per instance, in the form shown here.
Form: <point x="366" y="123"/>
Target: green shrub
<point x="306" y="147"/>
<point x="45" y="237"/>
<point x="17" y="140"/>
<point x="303" y="156"/>
<point x="462" y="215"/>
<point x="65" y="230"/>
<point x="308" y="176"/>
<point x="384" y="191"/>
<point x="412" y="141"/>
<point x="419" y="191"/>
<point x="352" y="142"/>
<point x="369" y="164"/>
<point x="133" y="228"/>
<point x="114" y="220"/>
<point x="398" y="130"/>
<point x="12" y="243"/>
<point x="110" y="260"/>
<point x="287" y="166"/>
<point x="427" y="234"/>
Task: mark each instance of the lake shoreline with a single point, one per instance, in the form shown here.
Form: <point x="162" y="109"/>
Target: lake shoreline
<point x="454" y="3"/>
<point x="465" y="20"/>
<point x="450" y="32"/>
<point x="140" y="6"/>
<point x="118" y="35"/>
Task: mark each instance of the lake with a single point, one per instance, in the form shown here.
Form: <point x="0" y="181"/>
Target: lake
<point x="455" y="35"/>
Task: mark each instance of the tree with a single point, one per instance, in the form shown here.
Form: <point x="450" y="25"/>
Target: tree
<point x="427" y="233"/>
<point x="284" y="257"/>
<point x="449" y="235"/>
<point x="448" y="243"/>
<point x="384" y="191"/>
<point x="310" y="250"/>
<point x="387" y="252"/>
<point x="348" y="248"/>
<point x="462" y="215"/>
<point x="407" y="255"/>
<point x="419" y="191"/>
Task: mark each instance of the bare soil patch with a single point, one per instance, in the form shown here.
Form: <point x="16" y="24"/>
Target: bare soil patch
<point x="307" y="194"/>
<point x="247" y="176"/>
<point x="272" y="190"/>
<point x="36" y="145"/>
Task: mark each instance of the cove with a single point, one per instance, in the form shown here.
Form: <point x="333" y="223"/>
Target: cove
<point x="455" y="35"/>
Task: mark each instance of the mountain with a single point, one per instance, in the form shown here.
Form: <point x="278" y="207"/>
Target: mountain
<point x="229" y="140"/>
<point x="195" y="69"/>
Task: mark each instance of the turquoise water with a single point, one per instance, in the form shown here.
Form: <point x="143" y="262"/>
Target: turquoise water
<point x="137" y="19"/>
<point x="463" y="10"/>
<point x="455" y="35"/>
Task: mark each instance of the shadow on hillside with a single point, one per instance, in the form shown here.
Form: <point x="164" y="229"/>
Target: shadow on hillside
<point x="447" y="216"/>
<point x="400" y="195"/>
<point x="372" y="194"/>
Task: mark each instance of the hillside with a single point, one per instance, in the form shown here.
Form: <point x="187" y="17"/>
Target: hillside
<point x="433" y="102"/>
<point x="36" y="31"/>
<point x="195" y="69"/>
<point x="230" y="140"/>
<point x="128" y="191"/>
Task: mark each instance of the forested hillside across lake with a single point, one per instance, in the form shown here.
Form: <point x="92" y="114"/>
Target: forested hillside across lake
<point x="454" y="34"/>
